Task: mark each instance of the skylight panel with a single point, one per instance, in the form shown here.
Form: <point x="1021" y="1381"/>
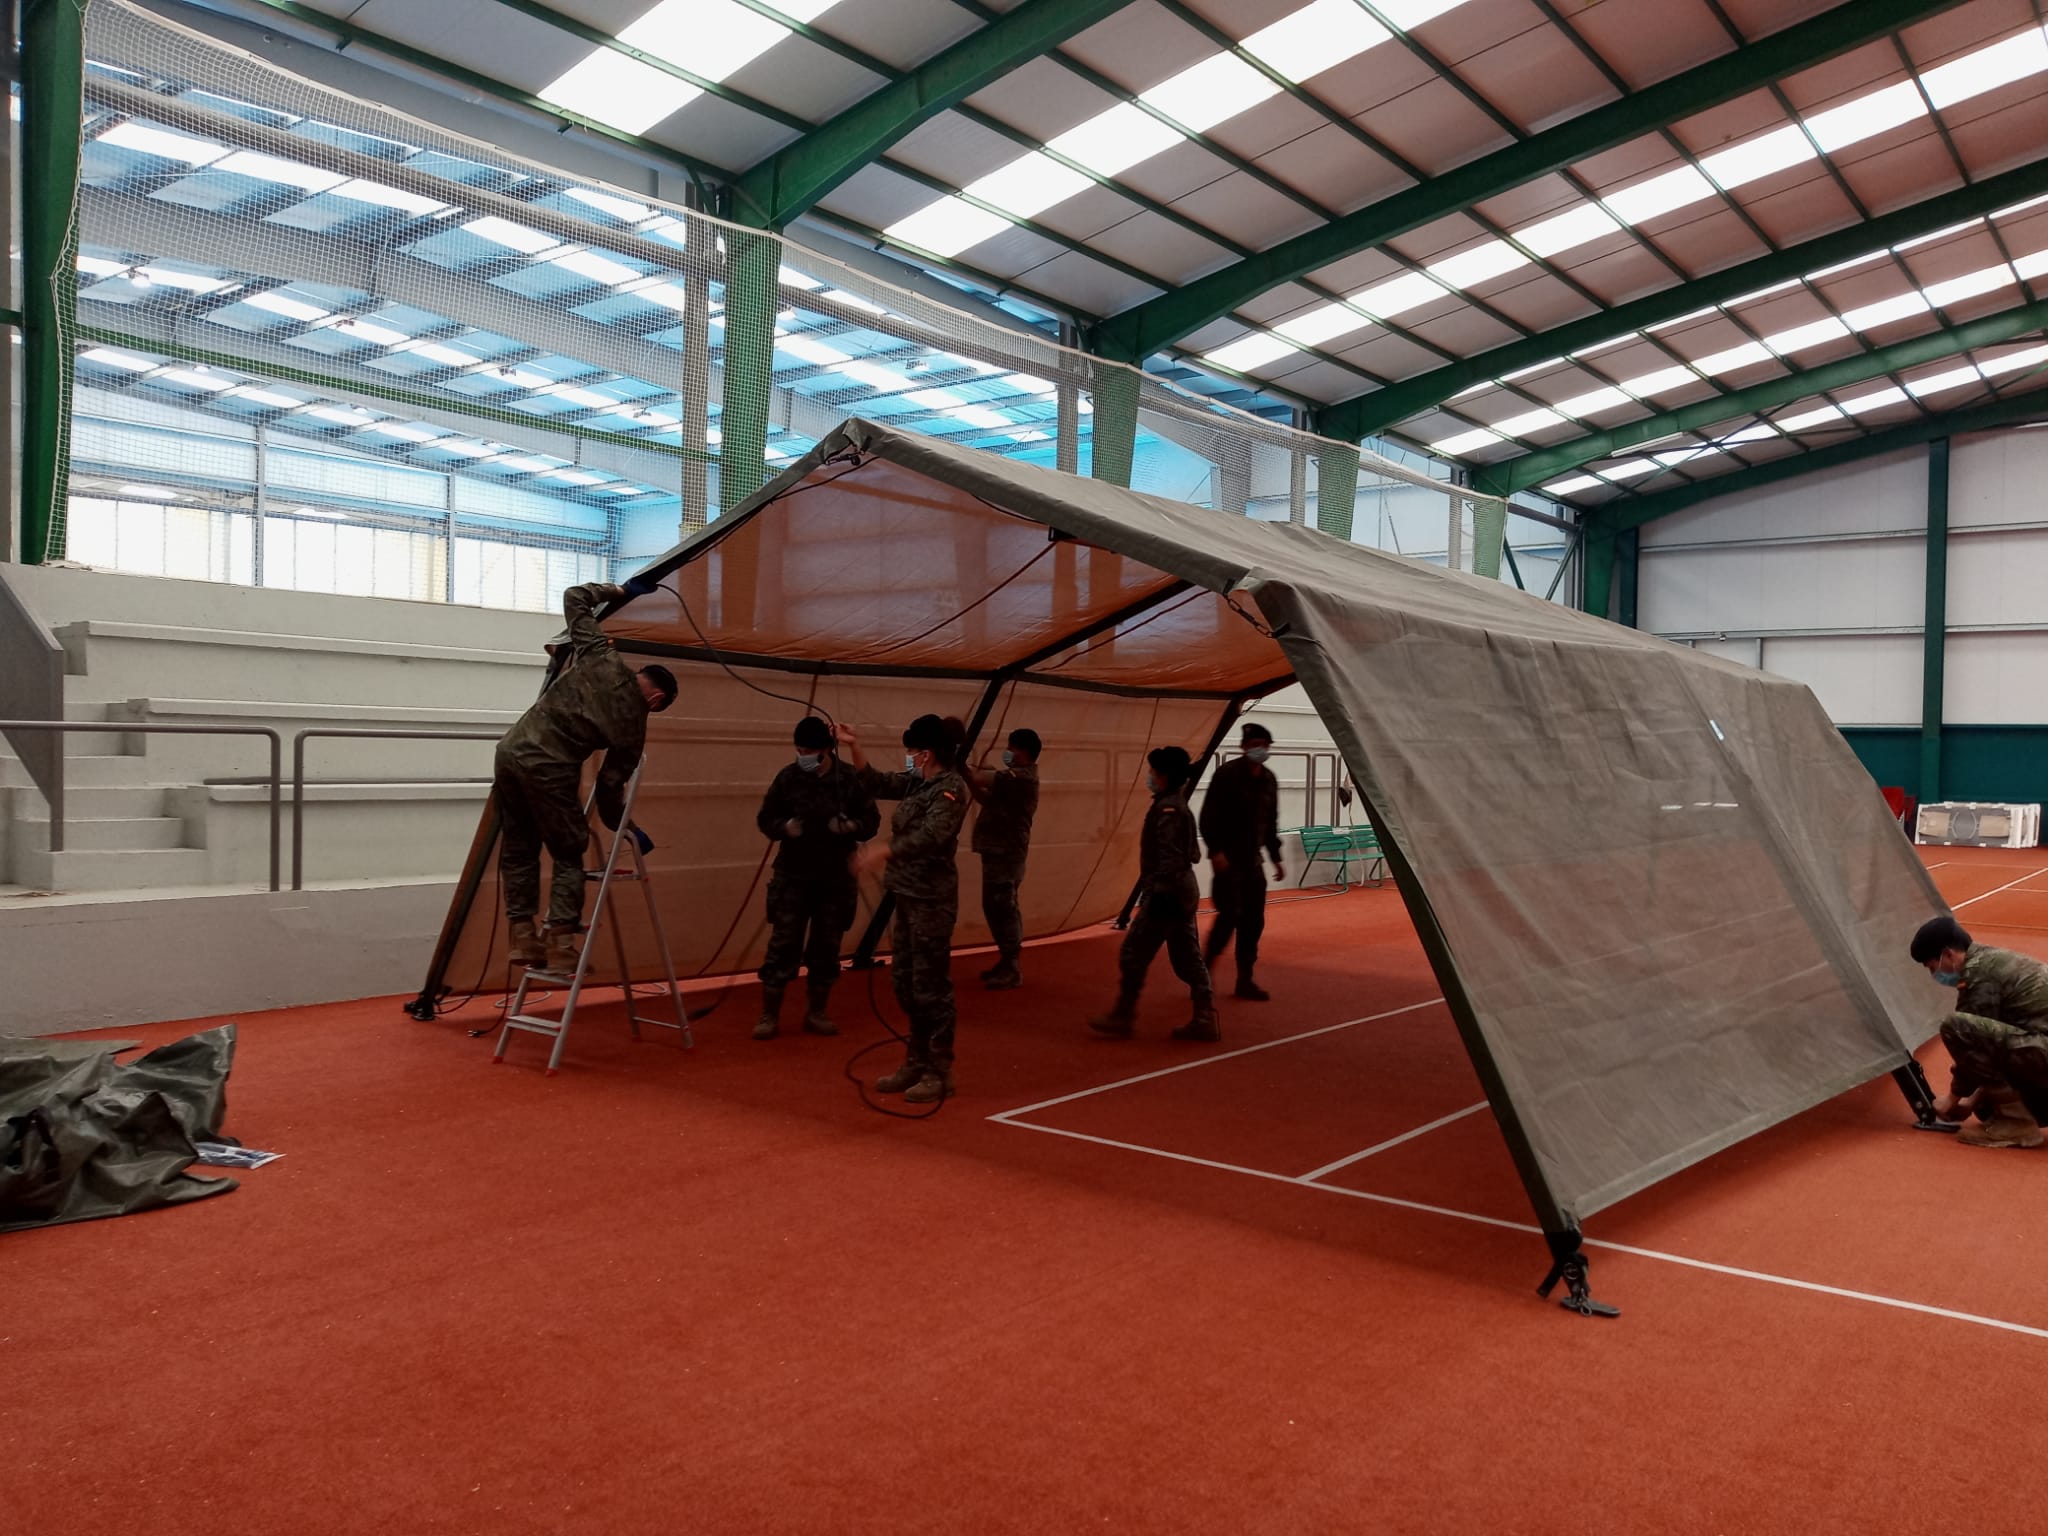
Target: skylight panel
<point x="162" y="143"/>
<point x="1968" y="286"/>
<point x="1747" y="355"/>
<point x="1253" y="351"/>
<point x="196" y="378"/>
<point x="1562" y="231"/>
<point x="525" y="378"/>
<point x="624" y="209"/>
<point x="1469" y="268"/>
<point x="576" y="394"/>
<point x="1410" y="14"/>
<point x="947" y="227"/>
<point x="465" y="448"/>
<point x="804" y="349"/>
<point x="441" y="352"/>
<point x="1953" y="378"/>
<point x="1805" y="419"/>
<point x="713" y="38"/>
<point x="668" y="295"/>
<point x="1866" y="116"/>
<point x="854" y="301"/>
<point x="1317" y="37"/>
<point x="1629" y="469"/>
<point x="1741" y="164"/>
<point x="599" y="269"/>
<point x="2012" y="362"/>
<point x="981" y="416"/>
<point x="1396" y="296"/>
<point x="574" y="477"/>
<point x="1527" y="422"/>
<point x="1988" y="68"/>
<point x="109" y="357"/>
<point x="1874" y="401"/>
<point x="525" y="463"/>
<point x="619" y="92"/>
<point x="340" y="416"/>
<point x="1684" y="455"/>
<point x="1313" y="327"/>
<point x="147" y="493"/>
<point x="1599" y="400"/>
<point x="1030" y="385"/>
<point x="406" y="432"/>
<point x="1901" y="306"/>
<point x="517" y="237"/>
<point x="1940" y="234"/>
<point x="98" y="266"/>
<point x="1032" y="436"/>
<point x="1659" y="195"/>
<point x="1662" y="380"/>
<point x="270" y="399"/>
<point x="874" y="375"/>
<point x="359" y="190"/>
<point x="789" y="277"/>
<point x="1211" y="92"/>
<point x="1755" y="434"/>
<point x="284" y="304"/>
<point x="1028" y="185"/>
<point x="285" y="173"/>
<point x="1812" y="334"/>
<point x="1465" y="442"/>
<point x="1574" y="484"/>
<point x="2032" y="264"/>
<point x="370" y="331"/>
<point x="1115" y="140"/>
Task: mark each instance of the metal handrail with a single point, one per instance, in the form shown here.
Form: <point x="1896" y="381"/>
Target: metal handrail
<point x="1310" y="756"/>
<point x="127" y="728"/>
<point x="299" y="775"/>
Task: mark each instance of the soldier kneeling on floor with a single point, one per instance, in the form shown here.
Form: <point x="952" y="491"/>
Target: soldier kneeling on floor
<point x="1997" y="1037"/>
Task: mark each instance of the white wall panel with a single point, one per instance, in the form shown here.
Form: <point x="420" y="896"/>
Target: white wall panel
<point x="2001" y="477"/>
<point x="1884" y="493"/>
<point x="1859" y="679"/>
<point x="1998" y="578"/>
<point x="1995" y="679"/>
<point x="1786" y="586"/>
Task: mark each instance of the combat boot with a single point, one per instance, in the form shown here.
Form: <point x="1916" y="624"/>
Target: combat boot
<point x="2004" y="1123"/>
<point x="525" y="945"/>
<point x="563" y="950"/>
<point x="929" y="1089"/>
<point x="1202" y="1028"/>
<point x="1249" y="990"/>
<point x="771" y="1014"/>
<point x="904" y="1077"/>
<point x="817" y="1021"/>
<point x="1003" y="977"/>
<point x="1121" y="1019"/>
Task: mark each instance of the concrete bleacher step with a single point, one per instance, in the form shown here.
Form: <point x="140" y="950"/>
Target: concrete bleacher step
<point x="100" y="833"/>
<point x="111" y="771"/>
<point x="93" y="802"/>
<point x="104" y="869"/>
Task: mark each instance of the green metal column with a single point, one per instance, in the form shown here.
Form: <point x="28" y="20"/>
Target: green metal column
<point x="753" y="264"/>
<point x="1115" y="429"/>
<point x="1336" y="490"/>
<point x="52" y="105"/>
<point x="1626" y="548"/>
<point x="1596" y="556"/>
<point x="1934" y="637"/>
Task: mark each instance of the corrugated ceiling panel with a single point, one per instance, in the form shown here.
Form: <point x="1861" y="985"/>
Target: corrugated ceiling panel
<point x="1685" y="35"/>
<point x="1087" y="285"/>
<point x="1334" y="169"/>
<point x="1153" y="244"/>
<point x="1537" y="80"/>
<point x="1246" y="210"/>
<point x="1434" y="128"/>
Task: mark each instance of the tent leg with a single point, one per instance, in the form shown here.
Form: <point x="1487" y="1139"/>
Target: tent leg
<point x="1919" y="1094"/>
<point x="1569" y="1264"/>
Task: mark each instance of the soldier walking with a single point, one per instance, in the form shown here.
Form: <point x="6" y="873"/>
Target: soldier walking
<point x="1002" y="836"/>
<point x="1240" y="815"/>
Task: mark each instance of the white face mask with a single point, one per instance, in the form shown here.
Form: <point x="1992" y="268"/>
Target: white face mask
<point x="910" y="762"/>
<point x="1009" y="758"/>
<point x="808" y="761"/>
<point x="1257" y="754"/>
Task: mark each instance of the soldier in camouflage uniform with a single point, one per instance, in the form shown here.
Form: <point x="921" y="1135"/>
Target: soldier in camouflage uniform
<point x="596" y="703"/>
<point x="1002" y="836"/>
<point x="1167" y="898"/>
<point x="919" y="869"/>
<point x="1997" y="1037"/>
<point x="1241" y="814"/>
<point x="816" y="813"/>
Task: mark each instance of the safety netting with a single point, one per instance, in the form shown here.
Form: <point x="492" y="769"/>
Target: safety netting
<point x="1667" y="906"/>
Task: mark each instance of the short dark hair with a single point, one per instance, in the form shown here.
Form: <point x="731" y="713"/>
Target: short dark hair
<point x="664" y="679"/>
<point x="943" y="737"/>
<point x="1936" y="935"/>
<point x="814" y="733"/>
<point x="1253" y="731"/>
<point x="1025" y="739"/>
<point x="1171" y="764"/>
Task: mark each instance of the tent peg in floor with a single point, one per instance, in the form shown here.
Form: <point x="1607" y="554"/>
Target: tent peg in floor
<point x="1569" y="1265"/>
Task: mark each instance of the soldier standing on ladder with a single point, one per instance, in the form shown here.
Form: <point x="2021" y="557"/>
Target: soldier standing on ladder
<point x="595" y="704"/>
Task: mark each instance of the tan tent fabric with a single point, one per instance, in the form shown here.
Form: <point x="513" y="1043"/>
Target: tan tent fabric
<point x="1667" y="905"/>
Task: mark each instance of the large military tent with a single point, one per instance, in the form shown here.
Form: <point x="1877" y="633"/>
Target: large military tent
<point x="1666" y="905"/>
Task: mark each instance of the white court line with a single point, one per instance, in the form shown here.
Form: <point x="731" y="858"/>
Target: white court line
<point x="1392" y="1141"/>
<point x="1008" y="1116"/>
<point x="1521" y="1226"/>
<point x="2023" y="879"/>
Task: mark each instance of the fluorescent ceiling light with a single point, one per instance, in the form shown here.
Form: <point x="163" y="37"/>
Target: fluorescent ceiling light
<point x="1867" y="116"/>
<point x="269" y="398"/>
<point x="1968" y="286"/>
<point x="370" y="331"/>
<point x="1658" y="383"/>
<point x="1873" y="402"/>
<point x="361" y="191"/>
<point x="947" y="227"/>
<point x="1396" y="296"/>
<point x="1465" y="442"/>
<point x="806" y="350"/>
<point x="1253" y="351"/>
<point x="1807" y="419"/>
<point x="1598" y="400"/>
<point x="1954" y="378"/>
<point x="1901" y="306"/>
<point x="1744" y="356"/>
<point x="1575" y="483"/>
<point x="1629" y="469"/>
<point x="623" y="209"/>
<point x="1988" y="68"/>
<point x="1659" y="195"/>
<point x="288" y="173"/>
<point x="284" y="304"/>
<point x="1812" y="334"/>
<point x="1527" y="422"/>
<point x="1317" y="37"/>
<point x="618" y="91"/>
<point x="113" y="359"/>
<point x="1115" y="140"/>
<point x="599" y="269"/>
<point x="1313" y="327"/>
<point x="1028" y="185"/>
<point x="513" y="236"/>
<point x="1562" y="231"/>
<point x="1741" y="164"/>
<point x="1468" y="268"/>
<point x="162" y="143"/>
<point x="1211" y="92"/>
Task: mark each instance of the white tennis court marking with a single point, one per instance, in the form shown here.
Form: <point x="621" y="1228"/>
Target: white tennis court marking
<point x="1305" y="1182"/>
<point x="1392" y="1141"/>
<point x="2023" y="879"/>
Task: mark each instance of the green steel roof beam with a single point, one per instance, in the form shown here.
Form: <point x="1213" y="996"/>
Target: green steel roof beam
<point x="1159" y="322"/>
<point x="793" y="179"/>
<point x="1530" y="469"/>
<point x="1647" y="509"/>
<point x="1366" y="414"/>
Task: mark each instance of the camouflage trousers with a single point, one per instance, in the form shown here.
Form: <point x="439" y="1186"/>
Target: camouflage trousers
<point x="1240" y="896"/>
<point x="1000" y="880"/>
<point x="921" y="968"/>
<point x="536" y="813"/>
<point x="1163" y="920"/>
<point x="1989" y="1052"/>
<point x="807" y="919"/>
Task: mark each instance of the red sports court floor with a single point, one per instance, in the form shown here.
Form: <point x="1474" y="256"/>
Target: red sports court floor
<point x="1280" y="1285"/>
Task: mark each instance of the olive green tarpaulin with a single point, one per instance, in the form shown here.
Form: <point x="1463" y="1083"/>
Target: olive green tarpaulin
<point x="1667" y="906"/>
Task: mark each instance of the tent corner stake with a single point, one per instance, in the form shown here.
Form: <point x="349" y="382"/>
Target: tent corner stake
<point x="1569" y="1264"/>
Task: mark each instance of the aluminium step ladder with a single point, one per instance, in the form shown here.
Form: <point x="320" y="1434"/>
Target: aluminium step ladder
<point x="623" y="863"/>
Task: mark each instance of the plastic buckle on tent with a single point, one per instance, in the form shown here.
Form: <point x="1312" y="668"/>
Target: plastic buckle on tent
<point x="1570" y="1266"/>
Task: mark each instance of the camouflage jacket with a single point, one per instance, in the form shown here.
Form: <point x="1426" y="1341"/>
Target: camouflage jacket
<point x="815" y="800"/>
<point x="1998" y="984"/>
<point x="1167" y="851"/>
<point x="1003" y="829"/>
<point x="1241" y="812"/>
<point x="924" y="834"/>
<point x="593" y="705"/>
